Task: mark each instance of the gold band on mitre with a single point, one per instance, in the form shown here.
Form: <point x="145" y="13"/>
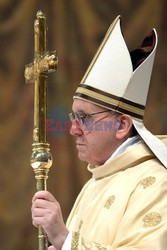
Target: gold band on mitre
<point x="110" y="101"/>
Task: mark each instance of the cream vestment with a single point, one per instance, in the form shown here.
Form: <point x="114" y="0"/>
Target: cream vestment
<point x="124" y="205"/>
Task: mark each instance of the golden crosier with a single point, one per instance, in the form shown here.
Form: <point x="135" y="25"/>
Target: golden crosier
<point x="37" y="72"/>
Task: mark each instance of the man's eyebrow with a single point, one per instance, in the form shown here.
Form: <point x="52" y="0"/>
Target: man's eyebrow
<point x="80" y="111"/>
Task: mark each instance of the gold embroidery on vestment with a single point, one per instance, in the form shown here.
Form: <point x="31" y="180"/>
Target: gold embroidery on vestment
<point x="75" y="241"/>
<point x="151" y="219"/>
<point x="85" y="245"/>
<point x="109" y="201"/>
<point x="148" y="181"/>
<point x="100" y="247"/>
<point x="80" y="225"/>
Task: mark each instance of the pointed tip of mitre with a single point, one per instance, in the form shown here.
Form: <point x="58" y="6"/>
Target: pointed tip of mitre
<point x="112" y="56"/>
<point x="138" y="86"/>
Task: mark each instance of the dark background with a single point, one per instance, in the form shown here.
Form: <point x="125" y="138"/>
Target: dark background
<point x="76" y="28"/>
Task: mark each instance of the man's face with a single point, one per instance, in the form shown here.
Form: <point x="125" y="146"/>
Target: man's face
<point x="96" y="140"/>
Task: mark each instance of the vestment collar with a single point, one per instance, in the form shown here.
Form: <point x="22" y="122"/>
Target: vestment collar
<point x="129" y="158"/>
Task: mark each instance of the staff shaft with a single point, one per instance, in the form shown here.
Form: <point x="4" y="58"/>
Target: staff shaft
<point x="40" y="113"/>
<point x="37" y="72"/>
<point x="40" y="88"/>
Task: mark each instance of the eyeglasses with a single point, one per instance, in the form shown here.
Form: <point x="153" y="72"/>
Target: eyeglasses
<point x="80" y="118"/>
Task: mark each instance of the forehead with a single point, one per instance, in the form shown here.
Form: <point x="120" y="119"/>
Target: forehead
<point x="85" y="106"/>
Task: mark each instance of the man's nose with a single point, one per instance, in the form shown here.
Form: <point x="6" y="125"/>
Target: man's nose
<point x="76" y="129"/>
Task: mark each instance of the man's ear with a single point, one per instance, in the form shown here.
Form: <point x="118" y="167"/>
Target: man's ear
<point x="125" y="127"/>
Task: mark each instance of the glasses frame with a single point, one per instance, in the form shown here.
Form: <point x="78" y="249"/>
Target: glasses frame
<point x="75" y="116"/>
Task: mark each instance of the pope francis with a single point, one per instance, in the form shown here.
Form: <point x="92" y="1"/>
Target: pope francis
<point x="123" y="206"/>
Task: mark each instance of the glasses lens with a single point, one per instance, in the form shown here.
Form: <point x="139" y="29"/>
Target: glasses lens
<point x="78" y="118"/>
<point x="74" y="116"/>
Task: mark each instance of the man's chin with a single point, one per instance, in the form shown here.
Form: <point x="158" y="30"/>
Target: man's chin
<point x="82" y="156"/>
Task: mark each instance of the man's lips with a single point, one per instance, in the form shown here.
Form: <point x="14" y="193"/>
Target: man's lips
<point x="79" y="144"/>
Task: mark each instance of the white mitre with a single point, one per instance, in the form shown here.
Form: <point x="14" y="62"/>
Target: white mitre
<point x="119" y="80"/>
